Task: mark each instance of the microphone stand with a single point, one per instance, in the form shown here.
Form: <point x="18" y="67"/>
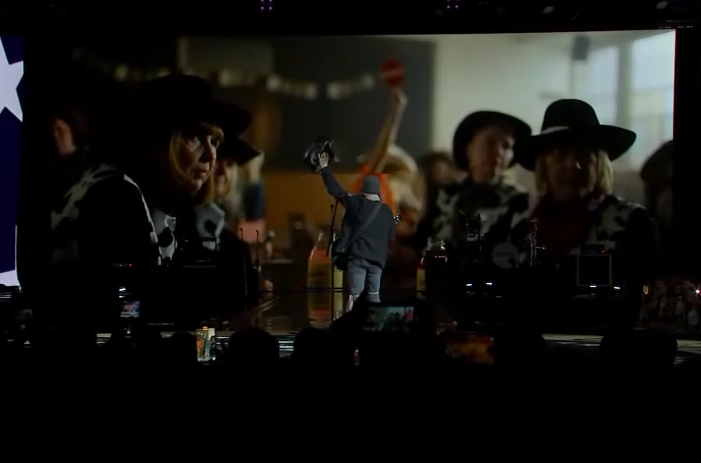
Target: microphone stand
<point x="256" y="264"/>
<point x="245" y="271"/>
<point x="334" y="208"/>
<point x="473" y="225"/>
<point x="533" y="245"/>
<point x="479" y="262"/>
<point x="478" y="225"/>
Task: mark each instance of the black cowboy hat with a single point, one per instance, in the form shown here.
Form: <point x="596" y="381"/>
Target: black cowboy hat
<point x="574" y="121"/>
<point x="237" y="150"/>
<point x="478" y="120"/>
<point x="178" y="101"/>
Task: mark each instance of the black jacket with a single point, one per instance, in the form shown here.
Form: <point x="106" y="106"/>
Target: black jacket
<point x="232" y="255"/>
<point x="373" y="242"/>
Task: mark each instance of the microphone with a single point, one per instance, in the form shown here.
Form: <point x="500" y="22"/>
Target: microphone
<point x="210" y="227"/>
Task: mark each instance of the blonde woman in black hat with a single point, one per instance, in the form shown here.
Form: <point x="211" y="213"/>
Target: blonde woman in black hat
<point x="571" y="158"/>
<point x="122" y="210"/>
<point x="483" y="148"/>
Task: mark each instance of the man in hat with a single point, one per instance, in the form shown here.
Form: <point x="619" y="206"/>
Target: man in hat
<point x="483" y="149"/>
<point x="571" y="158"/>
<point x="371" y="226"/>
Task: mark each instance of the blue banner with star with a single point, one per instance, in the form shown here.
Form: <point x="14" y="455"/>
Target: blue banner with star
<point x="11" y="91"/>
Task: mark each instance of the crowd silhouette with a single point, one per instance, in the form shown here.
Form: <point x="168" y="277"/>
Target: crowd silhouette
<point x="346" y="345"/>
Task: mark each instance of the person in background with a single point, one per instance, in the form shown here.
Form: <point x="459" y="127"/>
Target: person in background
<point x="244" y="197"/>
<point x="656" y="175"/>
<point x="368" y="252"/>
<point x="394" y="167"/>
<point x="438" y="172"/>
<point x="571" y="158"/>
<point x="71" y="154"/>
<point x="483" y="149"/>
<point x="254" y="190"/>
<point x="121" y="211"/>
<point x="232" y="158"/>
<point x="252" y="349"/>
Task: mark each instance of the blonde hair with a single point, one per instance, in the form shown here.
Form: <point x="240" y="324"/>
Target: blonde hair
<point x="229" y="183"/>
<point x="604" y="177"/>
<point x="399" y="162"/>
<point x="206" y="194"/>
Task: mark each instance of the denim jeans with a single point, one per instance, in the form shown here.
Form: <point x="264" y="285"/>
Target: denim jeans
<point x="361" y="274"/>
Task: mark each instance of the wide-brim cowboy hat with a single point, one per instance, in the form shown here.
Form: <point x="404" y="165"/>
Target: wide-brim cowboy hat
<point x="180" y="101"/>
<point x="237" y="150"/>
<point x="476" y="121"/>
<point x="569" y="122"/>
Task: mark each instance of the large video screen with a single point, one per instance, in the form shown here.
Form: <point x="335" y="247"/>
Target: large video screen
<point x="496" y="126"/>
<point x="11" y="89"/>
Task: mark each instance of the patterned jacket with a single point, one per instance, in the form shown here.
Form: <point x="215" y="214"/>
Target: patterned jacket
<point x="498" y="207"/>
<point x="104" y="219"/>
<point x="622" y="228"/>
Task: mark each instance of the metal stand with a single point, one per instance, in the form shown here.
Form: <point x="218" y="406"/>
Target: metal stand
<point x="473" y="225"/>
<point x="257" y="262"/>
<point x="334" y="208"/>
<point x="533" y="246"/>
<point x="245" y="271"/>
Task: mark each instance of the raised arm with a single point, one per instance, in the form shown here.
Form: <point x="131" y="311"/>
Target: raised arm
<point x="375" y="163"/>
<point x="332" y="186"/>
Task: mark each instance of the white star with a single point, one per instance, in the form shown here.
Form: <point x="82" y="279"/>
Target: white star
<point x="10" y="75"/>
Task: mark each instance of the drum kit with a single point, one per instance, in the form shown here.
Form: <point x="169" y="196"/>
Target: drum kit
<point x="491" y="269"/>
<point x="509" y="270"/>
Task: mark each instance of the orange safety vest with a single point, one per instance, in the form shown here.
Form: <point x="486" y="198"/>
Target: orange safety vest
<point x="385" y="192"/>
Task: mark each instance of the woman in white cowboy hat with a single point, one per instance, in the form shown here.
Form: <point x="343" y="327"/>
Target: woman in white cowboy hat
<point x="571" y="159"/>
